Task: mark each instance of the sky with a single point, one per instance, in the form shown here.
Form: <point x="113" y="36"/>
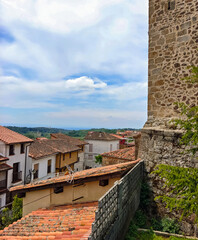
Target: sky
<point x="73" y="63"/>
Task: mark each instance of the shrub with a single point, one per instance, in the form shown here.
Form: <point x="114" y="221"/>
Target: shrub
<point x="169" y="225"/>
<point x="140" y="219"/>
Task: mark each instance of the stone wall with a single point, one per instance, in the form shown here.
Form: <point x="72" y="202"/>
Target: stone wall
<point x="161" y="146"/>
<point x="117" y="207"/>
<point x="173" y="43"/>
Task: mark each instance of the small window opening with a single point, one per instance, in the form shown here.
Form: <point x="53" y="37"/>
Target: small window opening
<point x="104" y="182"/>
<point x="22" y="148"/>
<point x="70" y="155"/>
<point x="11" y="150"/>
<point x="58" y="190"/>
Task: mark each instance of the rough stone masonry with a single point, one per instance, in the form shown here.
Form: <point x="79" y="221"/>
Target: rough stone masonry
<point x="173" y="46"/>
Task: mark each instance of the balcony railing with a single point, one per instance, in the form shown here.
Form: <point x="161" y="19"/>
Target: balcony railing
<point x="17" y="176"/>
<point x="3" y="184"/>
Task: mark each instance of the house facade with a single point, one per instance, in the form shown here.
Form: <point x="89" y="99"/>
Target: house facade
<point x="80" y="165"/>
<point x="14" y="149"/>
<point x="51" y="157"/>
<point x="81" y="187"/>
<point x="98" y="143"/>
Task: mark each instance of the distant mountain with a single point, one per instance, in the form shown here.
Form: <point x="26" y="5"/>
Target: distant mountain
<point x="34" y="132"/>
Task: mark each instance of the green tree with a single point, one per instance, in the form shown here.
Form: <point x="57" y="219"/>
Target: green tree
<point x="98" y="159"/>
<point x="183" y="182"/>
<point x="9" y="216"/>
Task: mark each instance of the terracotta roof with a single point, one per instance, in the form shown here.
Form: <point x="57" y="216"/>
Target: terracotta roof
<point x="45" y="147"/>
<point x="10" y="137"/>
<point x="81" y="175"/>
<point x="2" y="158"/>
<point x="4" y="167"/>
<point x="70" y="140"/>
<point x="100" y="136"/>
<point x="62" y="222"/>
<point x="124" y="154"/>
<point x="117" y="136"/>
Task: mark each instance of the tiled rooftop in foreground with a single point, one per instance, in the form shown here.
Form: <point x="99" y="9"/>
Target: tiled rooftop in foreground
<point x="61" y="222"/>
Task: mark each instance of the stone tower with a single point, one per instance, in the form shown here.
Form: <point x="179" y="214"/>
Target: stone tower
<point x="173" y="46"/>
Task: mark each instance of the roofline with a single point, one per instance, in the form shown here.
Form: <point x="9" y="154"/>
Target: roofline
<point x="77" y="181"/>
<point x="103" y="139"/>
<point x="36" y="158"/>
<point x="16" y="142"/>
<point x="127" y="159"/>
<point x="89" y="178"/>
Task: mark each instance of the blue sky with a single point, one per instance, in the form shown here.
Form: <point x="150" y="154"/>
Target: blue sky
<point x="73" y="63"/>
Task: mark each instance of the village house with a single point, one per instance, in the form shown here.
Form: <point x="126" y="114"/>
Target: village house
<point x="4" y="167"/>
<point x="99" y="142"/>
<point x="80" y="187"/>
<point x="14" y="164"/>
<point x="80" y="165"/>
<point x="52" y="156"/>
<point x="118" y="156"/>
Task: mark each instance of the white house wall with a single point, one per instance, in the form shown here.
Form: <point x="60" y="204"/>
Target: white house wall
<point x="17" y="157"/>
<point x="2" y="199"/>
<point x="99" y="147"/>
<point x="2" y="148"/>
<point x="79" y="166"/>
<point x="43" y="163"/>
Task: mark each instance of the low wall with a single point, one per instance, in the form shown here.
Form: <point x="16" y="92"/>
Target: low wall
<point x="117" y="207"/>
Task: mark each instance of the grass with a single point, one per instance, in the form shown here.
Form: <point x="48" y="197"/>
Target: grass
<point x="133" y="234"/>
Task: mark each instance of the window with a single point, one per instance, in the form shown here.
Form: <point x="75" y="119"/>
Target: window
<point x="118" y="146"/>
<point x="22" y="148"/>
<point x="11" y="150"/>
<point x="58" y="190"/>
<point x="90" y="147"/>
<point x="104" y="182"/>
<point x="16" y="174"/>
<point x="90" y="157"/>
<point x="36" y="169"/>
<point x="64" y="156"/>
<point x="49" y="166"/>
<point x="70" y="155"/>
<point x="111" y="147"/>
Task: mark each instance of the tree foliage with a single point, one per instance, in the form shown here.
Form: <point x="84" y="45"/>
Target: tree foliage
<point x="9" y="216"/>
<point x="183" y="186"/>
<point x="98" y="159"/>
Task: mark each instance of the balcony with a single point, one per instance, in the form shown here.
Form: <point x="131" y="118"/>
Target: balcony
<point x="16" y="177"/>
<point x="3" y="184"/>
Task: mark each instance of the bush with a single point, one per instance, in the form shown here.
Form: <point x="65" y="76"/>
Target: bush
<point x="140" y="219"/>
<point x="9" y="216"/>
<point x="169" y="225"/>
<point x="156" y="224"/>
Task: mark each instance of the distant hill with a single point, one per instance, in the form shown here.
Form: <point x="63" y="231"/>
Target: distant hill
<point x="45" y="132"/>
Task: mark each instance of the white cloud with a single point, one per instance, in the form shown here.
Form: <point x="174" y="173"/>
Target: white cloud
<point x="62" y="16"/>
<point x="63" y="38"/>
<point x="35" y="94"/>
<point x="54" y="40"/>
<point x="21" y="92"/>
